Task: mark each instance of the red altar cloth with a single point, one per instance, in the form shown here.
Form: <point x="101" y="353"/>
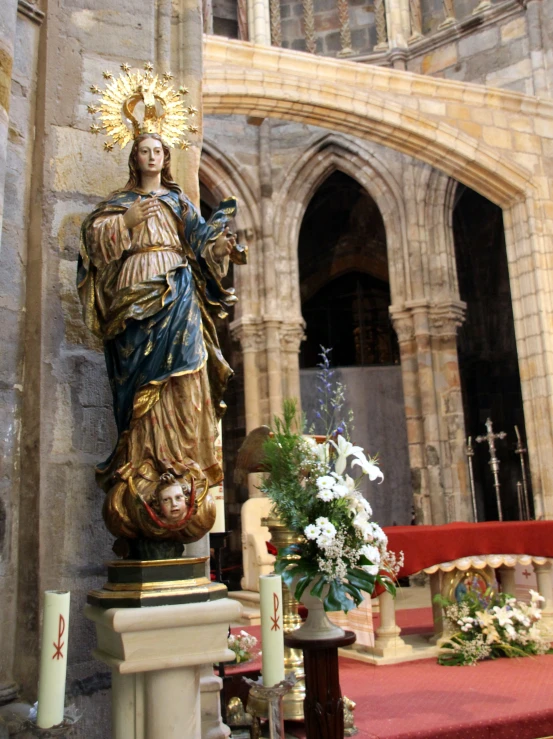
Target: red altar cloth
<point x="424" y="546"/>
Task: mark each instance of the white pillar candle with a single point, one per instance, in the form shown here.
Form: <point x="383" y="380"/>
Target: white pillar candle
<point x="272" y="632"/>
<point x="218" y="491"/>
<point x="53" y="659"/>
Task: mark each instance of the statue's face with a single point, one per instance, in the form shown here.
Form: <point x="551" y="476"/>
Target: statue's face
<point x="172" y="503"/>
<point x="150" y="156"/>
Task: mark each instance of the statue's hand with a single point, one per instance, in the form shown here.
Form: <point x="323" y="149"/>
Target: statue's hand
<point x="224" y="244"/>
<point x="140" y="211"/>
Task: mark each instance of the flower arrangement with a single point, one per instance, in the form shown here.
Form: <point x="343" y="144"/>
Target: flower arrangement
<point x="490" y="626"/>
<point x="242" y="645"/>
<point x="340" y="552"/>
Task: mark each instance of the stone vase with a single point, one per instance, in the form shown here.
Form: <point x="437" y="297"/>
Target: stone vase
<point x="317" y="624"/>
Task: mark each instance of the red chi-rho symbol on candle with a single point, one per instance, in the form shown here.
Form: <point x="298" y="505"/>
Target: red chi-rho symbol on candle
<point x="58" y="647"/>
<point x="275" y="617"/>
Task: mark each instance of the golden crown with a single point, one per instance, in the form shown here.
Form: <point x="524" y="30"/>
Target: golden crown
<point x="140" y="102"/>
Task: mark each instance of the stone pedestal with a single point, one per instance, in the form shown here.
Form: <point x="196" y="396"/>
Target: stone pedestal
<point x="155" y="655"/>
<point x="388" y="642"/>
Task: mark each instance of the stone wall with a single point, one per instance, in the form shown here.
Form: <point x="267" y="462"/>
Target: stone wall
<point x="492" y="53"/>
<point x="376" y="395"/>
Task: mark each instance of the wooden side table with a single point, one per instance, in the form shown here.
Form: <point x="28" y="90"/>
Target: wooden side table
<point x="323" y="705"/>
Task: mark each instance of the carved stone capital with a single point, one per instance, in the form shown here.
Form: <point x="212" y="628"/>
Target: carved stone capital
<point x="291" y="336"/>
<point x="445" y="318"/>
<point x="402" y="321"/>
<point x="250" y="335"/>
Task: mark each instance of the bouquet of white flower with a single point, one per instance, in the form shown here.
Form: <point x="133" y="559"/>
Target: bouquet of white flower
<point x="490" y="626"/>
<point x="340" y="547"/>
<point x="242" y="645"/>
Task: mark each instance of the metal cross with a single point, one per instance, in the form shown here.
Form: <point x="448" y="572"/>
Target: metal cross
<point x="494" y="461"/>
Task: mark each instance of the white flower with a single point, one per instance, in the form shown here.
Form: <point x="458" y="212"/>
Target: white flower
<point x="340" y="491"/>
<point x="311" y="531"/>
<point x="502" y="616"/>
<point x="322" y="452"/>
<point x="328" y="529"/>
<point x="367" y="506"/>
<point x="345" y="449"/>
<point x="325" y="495"/>
<point x="321" y="521"/>
<point x="378" y="534"/>
<point x="536" y="597"/>
<point x="369" y="468"/>
<point x="371" y="553"/>
<point x="371" y="569"/>
<point x="326" y="482"/>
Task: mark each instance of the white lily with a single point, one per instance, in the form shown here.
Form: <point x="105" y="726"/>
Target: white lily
<point x="369" y="468"/>
<point x="345" y="449"/>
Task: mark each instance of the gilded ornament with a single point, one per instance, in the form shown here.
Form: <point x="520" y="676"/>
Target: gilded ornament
<point x="193" y="129"/>
<point x="168" y="76"/>
<point x="95" y="128"/>
<point x="92" y="109"/>
<point x="107" y="75"/>
<point x="126" y="67"/>
<point x="164" y="112"/>
<point x="183" y="90"/>
<point x="191" y="110"/>
<point x="108" y="146"/>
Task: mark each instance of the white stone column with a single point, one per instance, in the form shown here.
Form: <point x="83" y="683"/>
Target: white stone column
<point x="404" y="328"/>
<point x="259" y="22"/>
<point x="545" y="589"/>
<point x="156" y="654"/>
<point x="507" y="577"/>
<point x="291" y="336"/>
<point x="535" y="38"/>
<point x="172" y="702"/>
<point x="429" y="409"/>
<point x="388" y="643"/>
<point x="398" y="23"/>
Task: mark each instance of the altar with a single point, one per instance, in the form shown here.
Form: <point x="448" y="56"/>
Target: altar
<point x="443" y="552"/>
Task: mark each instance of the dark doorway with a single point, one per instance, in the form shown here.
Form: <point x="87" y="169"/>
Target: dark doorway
<point x="344" y="282"/>
<point x="345" y="292"/>
<point x="488" y="359"/>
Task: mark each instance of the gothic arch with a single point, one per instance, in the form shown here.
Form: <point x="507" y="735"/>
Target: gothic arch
<point x="437" y="204"/>
<point x="330" y="153"/>
<point x="368" y="102"/>
<point x="222" y="177"/>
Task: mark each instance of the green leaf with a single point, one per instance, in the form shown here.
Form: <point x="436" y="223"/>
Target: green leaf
<point x="337" y="600"/>
<point x="302" y="583"/>
<point x="360" y="579"/>
<point x="388" y="584"/>
<point x="354" y="592"/>
<point x="317" y="589"/>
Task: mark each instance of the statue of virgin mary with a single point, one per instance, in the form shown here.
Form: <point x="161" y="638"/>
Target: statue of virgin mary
<point x="149" y="279"/>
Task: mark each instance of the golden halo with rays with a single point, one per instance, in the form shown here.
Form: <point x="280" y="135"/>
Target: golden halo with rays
<point x="140" y="102"/>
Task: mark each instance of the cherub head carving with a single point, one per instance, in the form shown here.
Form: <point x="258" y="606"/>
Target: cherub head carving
<point x="172" y="499"/>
